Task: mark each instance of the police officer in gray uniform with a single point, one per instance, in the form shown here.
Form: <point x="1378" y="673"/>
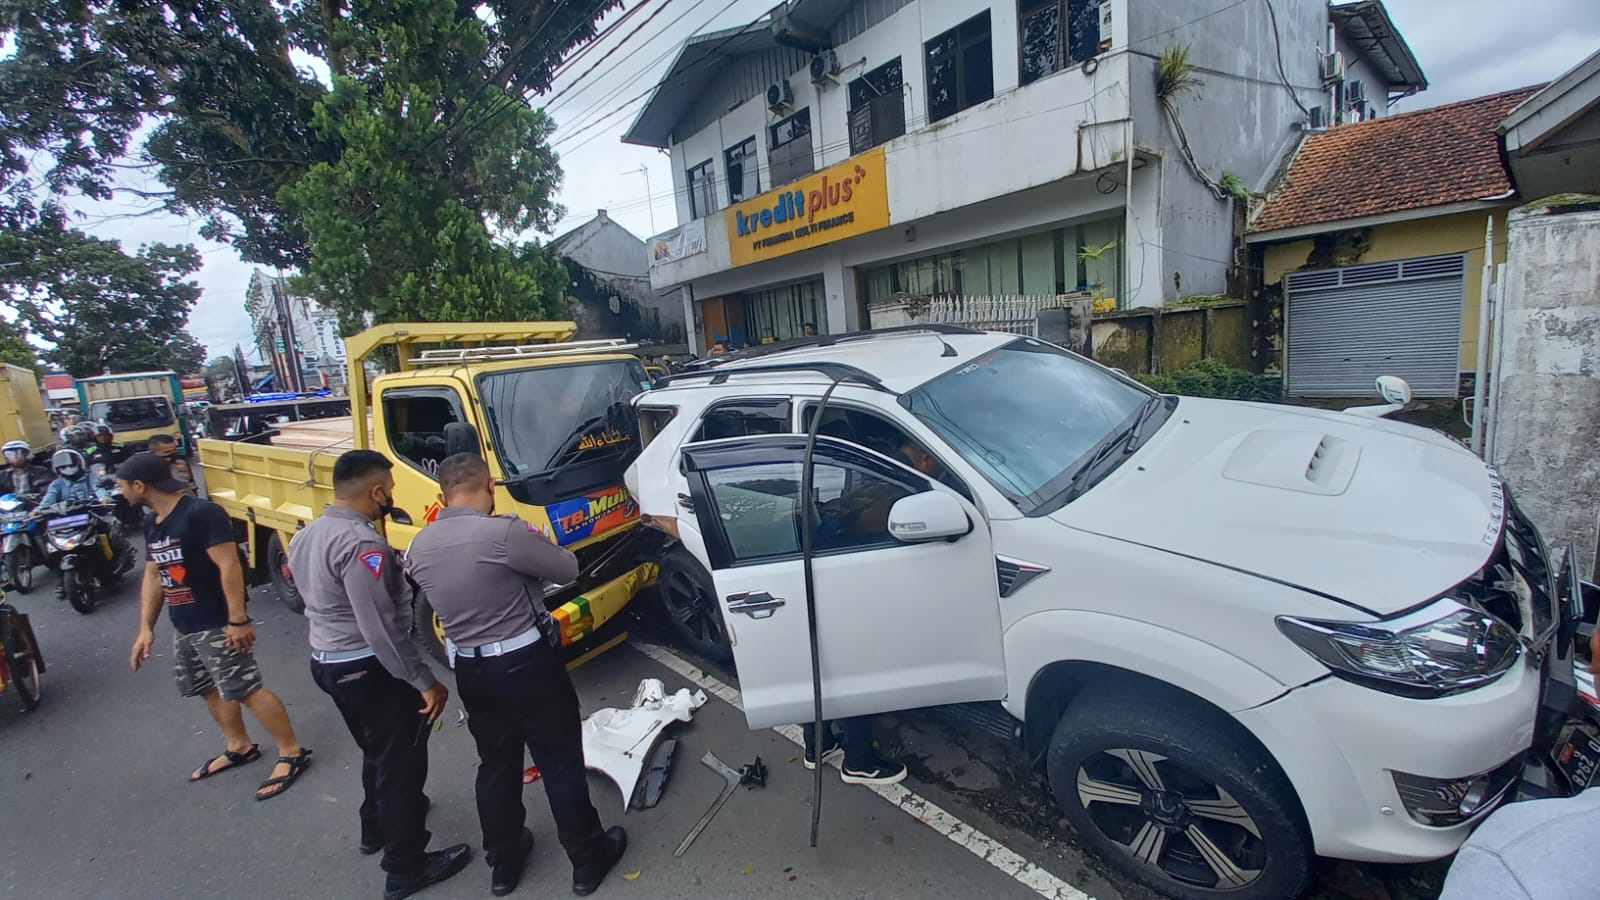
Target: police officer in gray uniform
<point x="356" y="604"/>
<point x="485" y="576"/>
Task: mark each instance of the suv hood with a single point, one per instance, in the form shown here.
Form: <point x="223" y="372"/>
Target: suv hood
<point x="1380" y="515"/>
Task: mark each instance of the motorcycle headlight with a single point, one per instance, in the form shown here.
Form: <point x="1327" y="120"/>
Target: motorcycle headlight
<point x="1440" y="650"/>
<point x="65" y="542"/>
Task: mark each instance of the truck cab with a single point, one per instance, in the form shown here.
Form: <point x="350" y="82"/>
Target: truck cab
<point x="137" y="406"/>
<point x="552" y="417"/>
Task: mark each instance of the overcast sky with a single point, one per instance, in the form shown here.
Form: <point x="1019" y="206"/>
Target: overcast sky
<point x="1476" y="47"/>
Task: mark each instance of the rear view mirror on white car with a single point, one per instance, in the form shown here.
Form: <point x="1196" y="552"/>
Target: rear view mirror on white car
<point x="928" y="516"/>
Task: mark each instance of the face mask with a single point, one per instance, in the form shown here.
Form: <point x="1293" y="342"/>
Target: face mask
<point x="385" y="506"/>
<point x="70" y="471"/>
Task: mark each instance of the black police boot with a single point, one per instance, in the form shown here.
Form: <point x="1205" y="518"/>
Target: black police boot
<point x="436" y="867"/>
<point x="586" y="879"/>
<point x="505" y="874"/>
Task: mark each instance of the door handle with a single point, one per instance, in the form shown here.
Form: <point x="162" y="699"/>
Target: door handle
<point x="755" y="604"/>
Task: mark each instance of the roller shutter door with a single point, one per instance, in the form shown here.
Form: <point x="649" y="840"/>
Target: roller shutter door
<point x="1346" y="326"/>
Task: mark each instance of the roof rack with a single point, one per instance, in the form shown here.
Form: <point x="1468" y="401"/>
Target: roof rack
<point x="828" y="340"/>
<point x="837" y="371"/>
<point x="519" y="351"/>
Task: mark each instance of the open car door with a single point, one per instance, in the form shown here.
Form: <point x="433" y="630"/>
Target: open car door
<point x="904" y="574"/>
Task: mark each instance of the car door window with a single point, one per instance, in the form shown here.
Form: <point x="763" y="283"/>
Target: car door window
<point x="742" y="418"/>
<point x="415" y="421"/>
<point x="757" y="507"/>
<point x="879" y="434"/>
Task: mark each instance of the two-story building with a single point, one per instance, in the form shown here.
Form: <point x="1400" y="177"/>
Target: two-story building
<point x="839" y="152"/>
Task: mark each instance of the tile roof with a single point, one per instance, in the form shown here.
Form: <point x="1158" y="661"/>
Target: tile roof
<point x="1414" y="160"/>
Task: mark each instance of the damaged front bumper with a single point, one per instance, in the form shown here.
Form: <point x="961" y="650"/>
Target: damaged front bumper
<point x="1565" y="754"/>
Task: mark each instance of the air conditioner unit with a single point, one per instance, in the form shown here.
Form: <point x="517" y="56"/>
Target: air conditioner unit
<point x="824" y="66"/>
<point x="779" y="95"/>
<point x="1332" y="66"/>
<point x="1318" y="119"/>
<point x="1355" y="95"/>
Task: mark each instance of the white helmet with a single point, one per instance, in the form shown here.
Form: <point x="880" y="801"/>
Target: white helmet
<point x="17" y="451"/>
<point x="67" y="462"/>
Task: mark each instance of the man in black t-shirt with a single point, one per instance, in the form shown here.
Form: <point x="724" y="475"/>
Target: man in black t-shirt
<point x="194" y="570"/>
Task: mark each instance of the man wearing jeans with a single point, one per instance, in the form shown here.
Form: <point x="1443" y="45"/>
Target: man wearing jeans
<point x="361" y="656"/>
<point x="485" y="577"/>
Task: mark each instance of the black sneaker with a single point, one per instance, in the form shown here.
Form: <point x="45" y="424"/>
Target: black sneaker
<point x="437" y="866"/>
<point x="586" y="880"/>
<point x="877" y="772"/>
<point x="834" y="751"/>
<point x="505" y="874"/>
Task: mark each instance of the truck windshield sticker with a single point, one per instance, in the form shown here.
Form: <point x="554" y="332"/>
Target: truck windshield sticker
<point x="594" y="513"/>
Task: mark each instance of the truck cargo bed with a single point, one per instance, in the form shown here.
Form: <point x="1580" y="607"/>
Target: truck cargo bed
<point x="334" y="435"/>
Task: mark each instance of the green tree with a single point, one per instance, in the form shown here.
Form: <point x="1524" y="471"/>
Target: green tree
<point x="100" y="309"/>
<point x="423" y="144"/>
<point x="183" y="354"/>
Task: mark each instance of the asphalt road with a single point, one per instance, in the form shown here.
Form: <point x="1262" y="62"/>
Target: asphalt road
<point x="94" y="802"/>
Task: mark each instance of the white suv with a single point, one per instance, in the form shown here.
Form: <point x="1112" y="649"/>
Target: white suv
<point x="1235" y="635"/>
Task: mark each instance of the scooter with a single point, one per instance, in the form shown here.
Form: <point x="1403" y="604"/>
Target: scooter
<point x="80" y="542"/>
<point x="21" y="664"/>
<point x="21" y="541"/>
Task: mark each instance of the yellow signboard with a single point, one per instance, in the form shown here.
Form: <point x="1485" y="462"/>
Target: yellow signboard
<point x="840" y="201"/>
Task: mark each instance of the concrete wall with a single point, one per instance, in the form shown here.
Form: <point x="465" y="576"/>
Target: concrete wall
<point x="620" y="262"/>
<point x="608" y="247"/>
<point x="1548" y="406"/>
<point x="1458" y="233"/>
<point x="1240" y="121"/>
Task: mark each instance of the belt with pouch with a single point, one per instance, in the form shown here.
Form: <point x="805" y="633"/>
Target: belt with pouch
<point x="497" y="648"/>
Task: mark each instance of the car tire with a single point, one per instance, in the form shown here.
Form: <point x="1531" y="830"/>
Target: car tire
<point x="689" y="597"/>
<point x="429" y="630"/>
<point x="278" y="573"/>
<point x="1179" y="798"/>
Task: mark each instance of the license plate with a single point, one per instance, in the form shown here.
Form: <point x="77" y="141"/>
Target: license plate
<point x="70" y="521"/>
<point x="1578" y="758"/>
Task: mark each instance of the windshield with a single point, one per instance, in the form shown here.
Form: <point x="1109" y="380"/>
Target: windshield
<point x="1026" y="414"/>
<point x="132" y="414"/>
<point x="552" y="417"/>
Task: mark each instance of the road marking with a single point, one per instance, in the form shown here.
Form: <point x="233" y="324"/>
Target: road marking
<point x="917" y="807"/>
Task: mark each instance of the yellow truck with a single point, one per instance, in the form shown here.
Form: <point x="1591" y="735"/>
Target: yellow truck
<point x="22" y="415"/>
<point x="552" y="417"/>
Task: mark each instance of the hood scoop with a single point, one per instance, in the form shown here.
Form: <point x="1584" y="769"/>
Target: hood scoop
<point x="1309" y="462"/>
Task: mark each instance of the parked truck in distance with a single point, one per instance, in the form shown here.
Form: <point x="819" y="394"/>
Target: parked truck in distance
<point x="136" y="405"/>
<point x="22" y="415"/>
<point x="552" y="417"/>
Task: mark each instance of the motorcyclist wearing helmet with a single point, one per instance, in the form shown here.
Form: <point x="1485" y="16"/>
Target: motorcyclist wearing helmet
<point x="106" y="452"/>
<point x="73" y="483"/>
<point x="21" y="474"/>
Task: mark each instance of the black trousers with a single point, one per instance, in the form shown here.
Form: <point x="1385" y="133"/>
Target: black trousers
<point x="526" y="699"/>
<point x="855" y="736"/>
<point x="381" y="712"/>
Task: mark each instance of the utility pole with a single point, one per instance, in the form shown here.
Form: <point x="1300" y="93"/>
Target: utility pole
<point x="649" y="200"/>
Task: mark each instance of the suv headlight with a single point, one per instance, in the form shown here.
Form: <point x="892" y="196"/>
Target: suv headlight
<point x="1442" y="649"/>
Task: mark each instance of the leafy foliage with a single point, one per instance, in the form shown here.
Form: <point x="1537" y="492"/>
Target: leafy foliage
<point x="102" y="309"/>
<point x="184" y="355"/>
<point x="1213" y="378"/>
<point x="14" y="347"/>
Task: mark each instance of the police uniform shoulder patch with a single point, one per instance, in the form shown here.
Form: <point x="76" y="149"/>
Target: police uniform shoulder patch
<point x="373" y="560"/>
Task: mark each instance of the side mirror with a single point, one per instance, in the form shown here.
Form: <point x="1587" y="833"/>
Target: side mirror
<point x="928" y="516"/>
<point x="400" y="516"/>
<point x="1394" y="389"/>
<point x="459" y="437"/>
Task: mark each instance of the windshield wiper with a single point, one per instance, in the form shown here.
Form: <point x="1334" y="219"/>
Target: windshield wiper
<point x="1125" y="439"/>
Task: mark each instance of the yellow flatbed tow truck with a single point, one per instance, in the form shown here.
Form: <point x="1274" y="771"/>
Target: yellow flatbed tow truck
<point x="550" y="415"/>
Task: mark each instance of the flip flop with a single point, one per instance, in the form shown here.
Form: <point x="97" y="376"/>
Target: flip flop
<point x="235" y="760"/>
<point x="296" y="764"/>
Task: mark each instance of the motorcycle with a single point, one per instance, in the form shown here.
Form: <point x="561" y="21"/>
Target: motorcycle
<point x="21" y="541"/>
<point x="20" y="661"/>
<point x="82" y="543"/>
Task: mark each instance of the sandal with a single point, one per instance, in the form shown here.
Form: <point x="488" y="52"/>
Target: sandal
<point x="234" y="761"/>
<point x="296" y="764"/>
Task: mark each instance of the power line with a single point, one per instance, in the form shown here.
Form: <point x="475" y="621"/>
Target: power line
<point x="620" y="44"/>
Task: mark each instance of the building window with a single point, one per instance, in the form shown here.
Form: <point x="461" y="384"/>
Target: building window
<point x="741" y="166"/>
<point x="1055" y="34"/>
<point x="790" y="154"/>
<point x="877" y="107"/>
<point x="702" y="193"/>
<point x="960" y="68"/>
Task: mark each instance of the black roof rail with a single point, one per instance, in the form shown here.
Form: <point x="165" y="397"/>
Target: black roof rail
<point x="825" y="340"/>
<point x="838" y="371"/>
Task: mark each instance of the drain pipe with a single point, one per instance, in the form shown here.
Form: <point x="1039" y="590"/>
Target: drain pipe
<point x="1480" y="379"/>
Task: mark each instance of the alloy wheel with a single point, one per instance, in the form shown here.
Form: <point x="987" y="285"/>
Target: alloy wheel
<point x="692" y="606"/>
<point x="1172" y="819"/>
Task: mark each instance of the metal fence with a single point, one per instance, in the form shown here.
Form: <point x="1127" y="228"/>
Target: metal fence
<point x="1016" y="313"/>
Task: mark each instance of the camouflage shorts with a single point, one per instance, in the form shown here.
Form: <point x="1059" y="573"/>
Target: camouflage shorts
<point x="202" y="660"/>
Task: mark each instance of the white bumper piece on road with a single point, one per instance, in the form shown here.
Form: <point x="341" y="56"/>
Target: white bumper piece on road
<point x="618" y="742"/>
